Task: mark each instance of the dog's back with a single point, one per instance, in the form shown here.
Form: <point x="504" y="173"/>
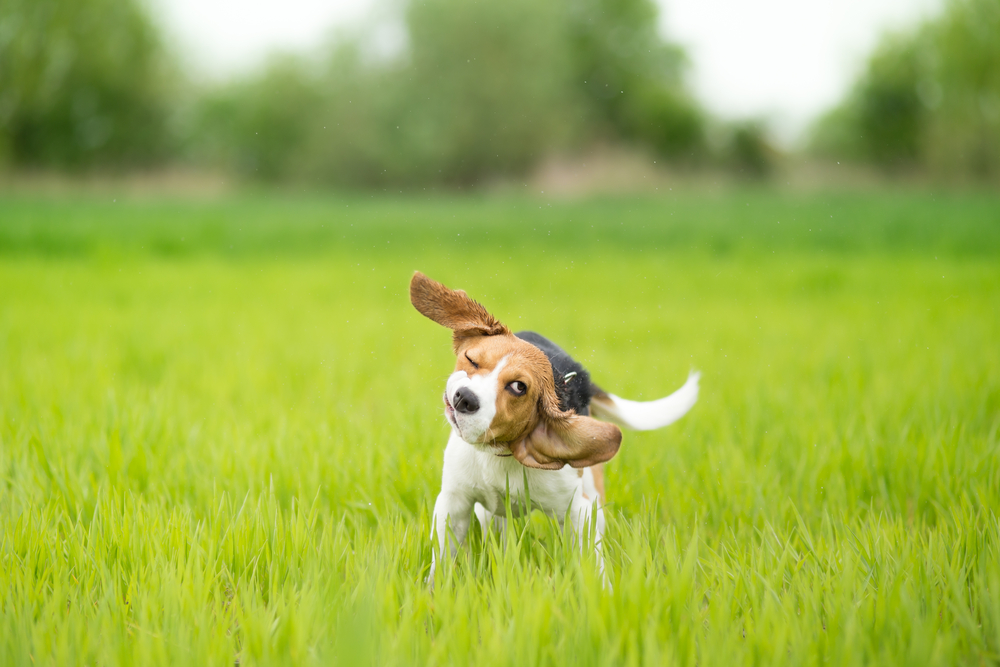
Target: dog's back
<point x="573" y="385"/>
<point x="577" y="392"/>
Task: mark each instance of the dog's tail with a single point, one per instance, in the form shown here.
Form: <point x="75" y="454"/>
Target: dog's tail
<point x="646" y="415"/>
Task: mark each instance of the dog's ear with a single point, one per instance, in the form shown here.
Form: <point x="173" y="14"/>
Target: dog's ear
<point x="566" y="437"/>
<point x="453" y="309"/>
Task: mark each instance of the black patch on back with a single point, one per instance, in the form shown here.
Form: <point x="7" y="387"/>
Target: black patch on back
<point x="574" y="391"/>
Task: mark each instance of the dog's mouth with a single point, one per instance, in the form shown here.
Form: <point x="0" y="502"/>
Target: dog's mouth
<point x="449" y="411"/>
<point x="498" y="449"/>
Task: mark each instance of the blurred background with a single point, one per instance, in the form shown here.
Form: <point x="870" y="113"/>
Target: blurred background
<point x="220" y="426"/>
<point x="558" y="95"/>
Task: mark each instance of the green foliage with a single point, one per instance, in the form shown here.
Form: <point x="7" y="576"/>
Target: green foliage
<point x="749" y="153"/>
<point x="488" y="83"/>
<point x="885" y="116"/>
<point x="631" y="79"/>
<point x="256" y="132"/>
<point x="928" y="100"/>
<point x="213" y="455"/>
<point x="964" y="90"/>
<point x="480" y="90"/>
<point x="83" y="83"/>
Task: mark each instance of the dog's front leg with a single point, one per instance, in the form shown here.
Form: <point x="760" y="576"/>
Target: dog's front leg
<point x="451" y="511"/>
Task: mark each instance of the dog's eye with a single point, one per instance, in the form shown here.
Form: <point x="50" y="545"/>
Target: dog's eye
<point x="474" y="364"/>
<point x="517" y="388"/>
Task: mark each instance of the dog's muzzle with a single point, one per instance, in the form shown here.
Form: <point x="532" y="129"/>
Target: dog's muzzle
<point x="465" y="401"/>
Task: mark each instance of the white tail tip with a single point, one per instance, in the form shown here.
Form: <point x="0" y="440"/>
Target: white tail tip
<point x="648" y="415"/>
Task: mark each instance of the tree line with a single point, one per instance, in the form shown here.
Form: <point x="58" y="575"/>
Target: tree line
<point x="927" y="101"/>
<point x="475" y="90"/>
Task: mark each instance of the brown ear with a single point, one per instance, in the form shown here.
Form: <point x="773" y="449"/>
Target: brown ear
<point x="452" y="309"/>
<point x="567" y="438"/>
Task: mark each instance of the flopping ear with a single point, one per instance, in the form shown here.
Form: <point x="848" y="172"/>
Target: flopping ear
<point x="566" y="437"/>
<point x="453" y="309"/>
<point x="578" y="441"/>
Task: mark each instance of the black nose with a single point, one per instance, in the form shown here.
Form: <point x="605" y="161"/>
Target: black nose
<point x="466" y="401"/>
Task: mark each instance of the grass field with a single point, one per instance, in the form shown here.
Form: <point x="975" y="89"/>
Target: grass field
<point x="221" y="431"/>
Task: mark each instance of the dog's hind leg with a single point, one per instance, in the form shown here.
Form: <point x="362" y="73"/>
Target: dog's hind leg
<point x="484" y="516"/>
<point x="488" y="520"/>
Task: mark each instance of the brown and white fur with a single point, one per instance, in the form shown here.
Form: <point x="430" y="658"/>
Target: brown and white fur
<point x="507" y="426"/>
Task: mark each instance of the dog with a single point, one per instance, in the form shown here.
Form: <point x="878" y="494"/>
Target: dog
<point x="520" y="411"/>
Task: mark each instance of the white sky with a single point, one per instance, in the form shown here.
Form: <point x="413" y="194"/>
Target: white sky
<point x="781" y="60"/>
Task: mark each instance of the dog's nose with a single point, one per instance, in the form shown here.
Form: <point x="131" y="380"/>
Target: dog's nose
<point x="466" y="401"/>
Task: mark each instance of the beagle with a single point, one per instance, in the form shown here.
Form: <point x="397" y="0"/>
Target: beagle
<point x="519" y="409"/>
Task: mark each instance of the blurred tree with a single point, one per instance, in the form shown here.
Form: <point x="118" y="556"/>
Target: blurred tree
<point x="748" y="151"/>
<point x="927" y="100"/>
<point x="259" y="127"/>
<point x="961" y="88"/>
<point x="82" y="83"/>
<point x="882" y="119"/>
<point x="480" y="89"/>
<point x="488" y="84"/>
<point x="631" y="78"/>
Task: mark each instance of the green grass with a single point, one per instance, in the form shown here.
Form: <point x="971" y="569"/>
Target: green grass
<point x="220" y="431"/>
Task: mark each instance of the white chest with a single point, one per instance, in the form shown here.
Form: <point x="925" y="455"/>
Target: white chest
<point x="483" y="477"/>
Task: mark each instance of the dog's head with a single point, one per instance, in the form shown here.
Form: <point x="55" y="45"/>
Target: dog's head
<point x="502" y="395"/>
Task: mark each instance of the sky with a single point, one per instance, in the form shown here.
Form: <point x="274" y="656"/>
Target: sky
<point x="781" y="61"/>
